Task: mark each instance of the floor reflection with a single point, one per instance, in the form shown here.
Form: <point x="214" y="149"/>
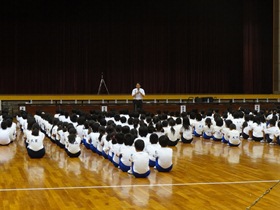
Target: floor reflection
<point x="233" y="154"/>
<point x="7" y="153"/>
<point x="35" y="172"/>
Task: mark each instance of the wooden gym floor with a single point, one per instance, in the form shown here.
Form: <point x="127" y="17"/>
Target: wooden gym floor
<point x="206" y="175"/>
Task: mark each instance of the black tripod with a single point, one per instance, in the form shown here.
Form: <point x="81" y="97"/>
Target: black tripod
<point x="102" y="81"/>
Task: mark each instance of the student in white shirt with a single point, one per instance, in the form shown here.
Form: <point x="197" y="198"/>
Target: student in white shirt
<point x="218" y="134"/>
<point x="172" y="132"/>
<point x="271" y="132"/>
<point x="66" y="133"/>
<point x="198" y="126"/>
<point x="62" y="116"/>
<point x="246" y="127"/>
<point x="238" y="120"/>
<point x="143" y="134"/>
<point x="93" y="136"/>
<point x="101" y="139"/>
<point x="106" y="146"/>
<point x="80" y="127"/>
<point x="48" y="126"/>
<point x="126" y="151"/>
<point x="192" y="116"/>
<point x="12" y="129"/>
<point x="208" y="129"/>
<point x="152" y="148"/>
<point x="140" y="160"/>
<point x="35" y="148"/>
<point x="22" y="119"/>
<point x="4" y="134"/>
<point x="233" y="136"/>
<point x="73" y="120"/>
<point x="112" y="141"/>
<point x="159" y="129"/>
<point x="86" y="132"/>
<point x="164" y="156"/>
<point x="27" y="132"/>
<point x="116" y="149"/>
<point x="53" y="131"/>
<point x="225" y="131"/>
<point x="62" y="128"/>
<point x="258" y="129"/>
<point x="186" y="131"/>
<point x="72" y="146"/>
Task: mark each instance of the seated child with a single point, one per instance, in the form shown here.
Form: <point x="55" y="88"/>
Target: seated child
<point x="271" y="132"/>
<point x="164" y="156"/>
<point x="93" y="136"/>
<point x="151" y="149"/>
<point x="233" y="136"/>
<point x="72" y="146"/>
<point x="140" y="160"/>
<point x="35" y="148"/>
<point x="208" y="129"/>
<point x="218" y="135"/>
<point x="116" y="149"/>
<point x="225" y="130"/>
<point x="186" y="131"/>
<point x="4" y="134"/>
<point x="198" y="125"/>
<point x="126" y="151"/>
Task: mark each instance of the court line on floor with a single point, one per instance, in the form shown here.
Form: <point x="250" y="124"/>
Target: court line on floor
<point x="141" y="185"/>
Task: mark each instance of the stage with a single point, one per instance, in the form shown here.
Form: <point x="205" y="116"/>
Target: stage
<point x="152" y="103"/>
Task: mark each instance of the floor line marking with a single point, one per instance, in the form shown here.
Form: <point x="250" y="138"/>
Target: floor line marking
<point x="140" y="185"/>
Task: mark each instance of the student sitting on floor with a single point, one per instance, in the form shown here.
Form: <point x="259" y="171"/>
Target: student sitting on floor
<point x="152" y="148"/>
<point x="4" y="134"/>
<point x="159" y="129"/>
<point x="143" y="134"/>
<point x="107" y="141"/>
<point x="126" y="151"/>
<point x="172" y="132"/>
<point x="208" y="129"/>
<point x="233" y="136"/>
<point x="101" y="139"/>
<point x="35" y="148"/>
<point x="198" y="125"/>
<point x="164" y="156"/>
<point x="225" y="131"/>
<point x="116" y="149"/>
<point x="271" y="132"/>
<point x="93" y="136"/>
<point x="186" y="131"/>
<point x="60" y="134"/>
<point x="140" y="160"/>
<point x="258" y="129"/>
<point x="72" y="146"/>
<point x="12" y="128"/>
<point x="246" y="128"/>
<point x="218" y="135"/>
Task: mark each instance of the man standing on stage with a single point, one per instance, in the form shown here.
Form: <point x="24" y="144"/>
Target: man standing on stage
<point x="138" y="93"/>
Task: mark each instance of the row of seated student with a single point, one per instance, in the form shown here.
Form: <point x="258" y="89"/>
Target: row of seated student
<point x="34" y="135"/>
<point x="210" y="125"/>
<point x="107" y="139"/>
<point x="231" y="126"/>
